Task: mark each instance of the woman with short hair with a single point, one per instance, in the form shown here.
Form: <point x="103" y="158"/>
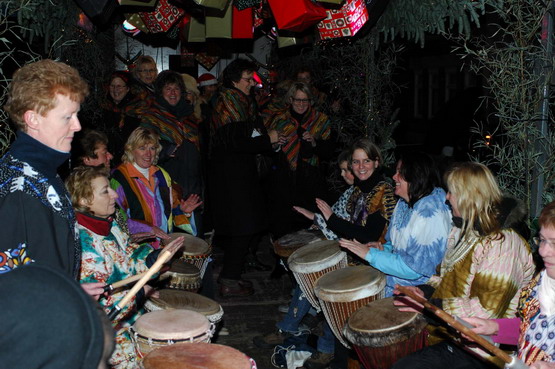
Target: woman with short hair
<point x="107" y="255"/>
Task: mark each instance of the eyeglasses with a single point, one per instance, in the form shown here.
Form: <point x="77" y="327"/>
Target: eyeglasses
<point x="147" y="70"/>
<point x="250" y="80"/>
<point x="538" y="241"/>
<point x="118" y="87"/>
<point x="300" y="101"/>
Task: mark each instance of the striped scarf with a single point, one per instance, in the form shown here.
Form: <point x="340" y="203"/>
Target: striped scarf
<point x="318" y="124"/>
<point x="232" y="106"/>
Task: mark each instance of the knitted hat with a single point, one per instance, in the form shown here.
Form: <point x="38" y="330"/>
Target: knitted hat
<point x="206" y="79"/>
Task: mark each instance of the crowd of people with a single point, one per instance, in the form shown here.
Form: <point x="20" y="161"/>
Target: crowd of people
<point x="174" y="148"/>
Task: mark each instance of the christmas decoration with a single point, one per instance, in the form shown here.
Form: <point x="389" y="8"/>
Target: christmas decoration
<point x="296" y="15"/>
<point x="344" y="22"/>
<point x="163" y="17"/>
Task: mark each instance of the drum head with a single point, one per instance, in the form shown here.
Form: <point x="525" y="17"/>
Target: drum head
<point x="172" y="324"/>
<point x="196" y="355"/>
<point x="350" y="284"/>
<point x="380" y="323"/>
<point x="182" y="267"/>
<point x="193" y="245"/>
<point x="315" y="257"/>
<point x="300" y="238"/>
<point x="176" y="299"/>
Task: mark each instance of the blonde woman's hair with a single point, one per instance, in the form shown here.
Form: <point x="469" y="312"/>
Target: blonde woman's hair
<point x="139" y="137"/>
<point x="478" y="197"/>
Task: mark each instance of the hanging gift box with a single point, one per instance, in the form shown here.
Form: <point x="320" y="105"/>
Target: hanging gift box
<point x="139" y="3"/>
<point x="219" y="23"/>
<point x="338" y="2"/>
<point x="136" y="20"/>
<point x="286" y="39"/>
<point x="216" y="4"/>
<point x="163" y="18"/>
<point x="207" y="61"/>
<point x="344" y="22"/>
<point x="244" y="4"/>
<point x="296" y="15"/>
<point x="196" y="31"/>
<point x="242" y="23"/>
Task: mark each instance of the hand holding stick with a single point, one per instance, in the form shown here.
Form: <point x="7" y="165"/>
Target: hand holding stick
<point x="123" y="282"/>
<point x="461" y="328"/>
<point x="164" y="256"/>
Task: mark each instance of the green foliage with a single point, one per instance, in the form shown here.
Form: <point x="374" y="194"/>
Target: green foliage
<point x="516" y="66"/>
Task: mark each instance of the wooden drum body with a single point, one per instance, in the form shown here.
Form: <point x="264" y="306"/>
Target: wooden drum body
<point x="343" y="291"/>
<point x="175" y="299"/>
<point x="312" y="261"/>
<point x="381" y="334"/>
<point x="291" y="242"/>
<point x="183" y="276"/>
<point x="196" y="251"/>
<point x="198" y="355"/>
<point x="166" y="327"/>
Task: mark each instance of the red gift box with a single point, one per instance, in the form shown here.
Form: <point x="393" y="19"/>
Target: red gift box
<point x="344" y="22"/>
<point x="296" y="15"/>
<point x="242" y="23"/>
<point x="162" y="18"/>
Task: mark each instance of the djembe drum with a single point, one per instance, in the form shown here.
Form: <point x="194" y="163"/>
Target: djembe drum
<point x="175" y="299"/>
<point x="381" y="334"/>
<point x="196" y="251"/>
<point x="286" y="245"/>
<point x="312" y="261"/>
<point x="167" y="327"/>
<point x="343" y="291"/>
<point x="182" y="276"/>
<point x="197" y="355"/>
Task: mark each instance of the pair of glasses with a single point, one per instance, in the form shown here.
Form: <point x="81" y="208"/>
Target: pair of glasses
<point x="250" y="80"/>
<point x="300" y="101"/>
<point x="538" y="241"/>
<point x="147" y="70"/>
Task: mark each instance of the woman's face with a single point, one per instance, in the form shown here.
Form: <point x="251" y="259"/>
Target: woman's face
<point x="453" y="202"/>
<point x="171" y="93"/>
<point x="245" y="83"/>
<point x="346" y="173"/>
<point x="190" y="97"/>
<point x="147" y="73"/>
<point x="144" y="155"/>
<point x="300" y="102"/>
<point x="118" y="89"/>
<point x="103" y="203"/>
<point x="363" y="166"/>
<point x="401" y="186"/>
<point x="547" y="249"/>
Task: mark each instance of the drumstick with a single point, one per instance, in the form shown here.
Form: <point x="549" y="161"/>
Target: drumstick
<point x="162" y="258"/>
<point x="449" y="319"/>
<point x="123" y="282"/>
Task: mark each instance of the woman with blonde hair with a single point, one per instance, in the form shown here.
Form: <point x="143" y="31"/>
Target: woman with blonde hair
<point x="146" y="191"/>
<point x="485" y="266"/>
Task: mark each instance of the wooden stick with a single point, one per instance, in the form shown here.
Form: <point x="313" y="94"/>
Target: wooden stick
<point x="162" y="258"/>
<point x="449" y="319"/>
<point x="123" y="282"/>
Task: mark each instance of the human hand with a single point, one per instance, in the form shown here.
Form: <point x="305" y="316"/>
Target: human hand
<point x="151" y="292"/>
<point x="94" y="289"/>
<point x="303" y="211"/>
<point x="173" y="246"/>
<point x="307" y="136"/>
<point x="141" y="236"/>
<point x="542" y="365"/>
<point x="486" y="327"/>
<point x="406" y="303"/>
<point x="375" y="245"/>
<point x="324" y="208"/>
<point x="355" y="247"/>
<point x="189" y="205"/>
<point x="160" y="233"/>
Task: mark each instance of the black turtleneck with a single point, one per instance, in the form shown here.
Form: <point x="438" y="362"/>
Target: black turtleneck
<point x="375" y="222"/>
<point x="41" y="157"/>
